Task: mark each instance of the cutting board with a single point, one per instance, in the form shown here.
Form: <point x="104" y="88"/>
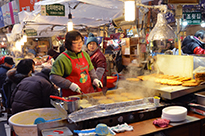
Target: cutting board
<point x="175" y="65"/>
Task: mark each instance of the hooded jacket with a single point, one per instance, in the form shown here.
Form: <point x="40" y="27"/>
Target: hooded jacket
<point x="33" y="92"/>
<point x="14" y="76"/>
<point x="190" y="43"/>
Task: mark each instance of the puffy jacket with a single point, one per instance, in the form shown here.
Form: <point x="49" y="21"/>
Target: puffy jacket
<point x="32" y="92"/>
<point x="99" y="60"/>
<point x="192" y="45"/>
<point x="3" y="70"/>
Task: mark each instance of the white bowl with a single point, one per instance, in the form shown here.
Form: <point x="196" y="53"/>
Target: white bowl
<point x="174" y="113"/>
<point x="22" y="122"/>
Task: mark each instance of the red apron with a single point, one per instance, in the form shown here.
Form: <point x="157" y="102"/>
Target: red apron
<point x="79" y="75"/>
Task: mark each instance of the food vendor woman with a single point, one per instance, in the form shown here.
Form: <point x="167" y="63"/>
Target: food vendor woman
<point x="73" y="71"/>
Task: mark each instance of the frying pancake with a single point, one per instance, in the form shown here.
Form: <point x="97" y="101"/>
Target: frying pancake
<point x="99" y="97"/>
<point x="108" y="101"/>
<point x="132" y="79"/>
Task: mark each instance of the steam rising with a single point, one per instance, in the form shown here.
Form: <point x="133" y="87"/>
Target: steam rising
<point x="140" y="88"/>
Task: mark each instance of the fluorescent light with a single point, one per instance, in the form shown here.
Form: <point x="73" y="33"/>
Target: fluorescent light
<point x="129" y="10"/>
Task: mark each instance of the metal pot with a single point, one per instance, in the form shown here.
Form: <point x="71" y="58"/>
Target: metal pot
<point x="73" y="105"/>
<point x="70" y="105"/>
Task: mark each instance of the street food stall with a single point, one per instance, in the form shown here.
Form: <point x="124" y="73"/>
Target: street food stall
<point x="128" y="106"/>
<point x="135" y="102"/>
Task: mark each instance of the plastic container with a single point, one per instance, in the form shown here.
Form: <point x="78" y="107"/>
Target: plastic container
<point x="23" y="122"/>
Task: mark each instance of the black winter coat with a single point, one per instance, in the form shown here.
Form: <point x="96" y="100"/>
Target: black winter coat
<point x="3" y="70"/>
<point x="32" y="92"/>
<point x="190" y="43"/>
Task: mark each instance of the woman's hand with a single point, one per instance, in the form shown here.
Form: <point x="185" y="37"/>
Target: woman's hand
<point x="97" y="83"/>
<point x="75" y="88"/>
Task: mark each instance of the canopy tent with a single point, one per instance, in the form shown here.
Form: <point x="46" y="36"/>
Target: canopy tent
<point x="89" y="13"/>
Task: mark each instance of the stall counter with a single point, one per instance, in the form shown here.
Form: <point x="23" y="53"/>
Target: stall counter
<point x="146" y="127"/>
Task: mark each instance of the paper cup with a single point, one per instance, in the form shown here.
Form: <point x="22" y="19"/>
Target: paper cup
<point x="156" y="101"/>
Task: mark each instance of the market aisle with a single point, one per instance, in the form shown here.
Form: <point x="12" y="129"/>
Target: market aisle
<point x="4" y="127"/>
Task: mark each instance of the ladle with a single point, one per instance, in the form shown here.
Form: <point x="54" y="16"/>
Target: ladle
<point x="60" y="98"/>
<point x="42" y="120"/>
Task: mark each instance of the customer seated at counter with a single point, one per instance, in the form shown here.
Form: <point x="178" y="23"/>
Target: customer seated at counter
<point x="73" y="70"/>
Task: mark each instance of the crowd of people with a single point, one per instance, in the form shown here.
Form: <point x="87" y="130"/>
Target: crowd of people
<point x="74" y="71"/>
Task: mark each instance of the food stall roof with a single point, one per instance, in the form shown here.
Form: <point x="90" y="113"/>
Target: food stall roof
<point x="89" y="13"/>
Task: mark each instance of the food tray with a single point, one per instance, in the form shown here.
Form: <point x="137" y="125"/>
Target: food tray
<point x="64" y="131"/>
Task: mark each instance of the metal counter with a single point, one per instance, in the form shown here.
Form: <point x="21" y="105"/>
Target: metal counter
<point x="172" y="92"/>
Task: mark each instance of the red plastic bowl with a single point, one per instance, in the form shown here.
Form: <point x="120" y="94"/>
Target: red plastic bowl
<point x="110" y="81"/>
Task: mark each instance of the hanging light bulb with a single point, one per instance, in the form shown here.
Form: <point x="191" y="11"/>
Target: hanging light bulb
<point x="24" y="37"/>
<point x="21" y="41"/>
<point x="70" y="23"/>
<point x="129" y="7"/>
<point x="18" y="45"/>
<point x="202" y="24"/>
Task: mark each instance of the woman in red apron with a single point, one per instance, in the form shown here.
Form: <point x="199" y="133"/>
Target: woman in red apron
<point x="72" y="70"/>
<point x="98" y="59"/>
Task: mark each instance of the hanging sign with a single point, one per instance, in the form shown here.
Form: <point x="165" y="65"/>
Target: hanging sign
<point x="15" y="9"/>
<point x="31" y="32"/>
<point x="193" y="18"/>
<point x="53" y="10"/>
<point x="27" y="5"/>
